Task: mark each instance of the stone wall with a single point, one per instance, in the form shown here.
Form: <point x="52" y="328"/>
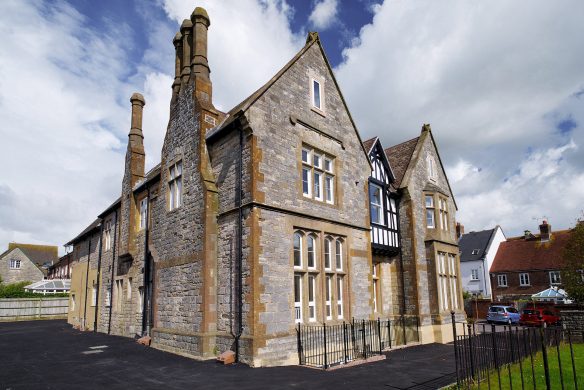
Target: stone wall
<point x="573" y="320"/>
<point x="28" y="271"/>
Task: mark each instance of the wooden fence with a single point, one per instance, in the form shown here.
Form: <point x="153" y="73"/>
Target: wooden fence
<point x="26" y="309"/>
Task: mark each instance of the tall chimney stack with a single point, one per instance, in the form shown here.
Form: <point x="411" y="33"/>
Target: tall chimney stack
<point x="459" y="230"/>
<point x="185" y="30"/>
<point x="177" y="42"/>
<point x="545" y="231"/>
<point x="201" y="23"/>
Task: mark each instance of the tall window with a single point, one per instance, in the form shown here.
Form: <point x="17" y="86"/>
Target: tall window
<point x="297" y="250"/>
<point x="312" y="297"/>
<point x="119" y="294"/>
<point x="431" y="163"/>
<point x="140" y="302"/>
<point x="316" y="95"/>
<point x="298" y="297"/>
<point x="318" y="180"/>
<point x="502" y="280"/>
<point x="94" y="295"/>
<point x="376" y="203"/>
<point x="175" y="185"/>
<point x="339" y="297"/>
<point x="129" y="289"/>
<point x="453" y="271"/>
<point x="143" y="213"/>
<point x="108" y="297"/>
<point x="442" y="281"/>
<point x="327" y="253"/>
<point x="15" y="264"/>
<point x="311" y="260"/>
<point x="328" y="299"/>
<point x="375" y="287"/>
<point x="107" y="233"/>
<point x="555" y="278"/>
<point x="443" y="213"/>
<point x="524" y="279"/>
<point x="339" y="254"/>
<point x="430" y="211"/>
<point x="447" y="281"/>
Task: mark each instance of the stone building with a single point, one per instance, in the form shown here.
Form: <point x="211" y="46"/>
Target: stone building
<point x="254" y="221"/>
<point x="26" y="262"/>
<point x="416" y="265"/>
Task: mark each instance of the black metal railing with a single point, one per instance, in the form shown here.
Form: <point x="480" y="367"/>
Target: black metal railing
<point x="328" y="345"/>
<point x="507" y="357"/>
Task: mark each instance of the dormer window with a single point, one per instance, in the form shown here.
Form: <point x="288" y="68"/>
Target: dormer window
<point x="475" y="251"/>
<point x="376" y="205"/>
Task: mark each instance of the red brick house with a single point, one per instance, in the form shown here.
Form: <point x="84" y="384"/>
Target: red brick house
<point x="528" y="264"/>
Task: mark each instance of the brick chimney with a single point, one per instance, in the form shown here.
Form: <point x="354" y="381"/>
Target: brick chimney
<point x="459" y="230"/>
<point x="133" y="172"/>
<point x="545" y="231"/>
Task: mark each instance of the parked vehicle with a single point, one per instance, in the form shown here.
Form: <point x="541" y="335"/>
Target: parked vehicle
<point x="538" y="316"/>
<point x="503" y="314"/>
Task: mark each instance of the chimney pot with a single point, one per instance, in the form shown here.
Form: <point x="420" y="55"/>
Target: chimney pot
<point x="200" y="13"/>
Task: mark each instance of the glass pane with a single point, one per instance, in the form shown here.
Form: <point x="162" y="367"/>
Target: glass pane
<point x="339" y="255"/>
<point x="305" y="181"/>
<point x="327" y="253"/>
<point x="328" y="165"/>
<point x="316" y="160"/>
<point x="328" y="288"/>
<point x="311" y="288"/>
<point x="179" y="168"/>
<point x="310" y="244"/>
<point x="316" y="92"/>
<point x="297" y="250"/>
<point x="429" y="201"/>
<point x="430" y="218"/>
<point x="297" y="288"/>
<point x="304" y="155"/>
<point x="317" y="184"/>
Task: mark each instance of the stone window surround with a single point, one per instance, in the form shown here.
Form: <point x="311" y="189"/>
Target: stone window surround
<point x="431" y="166"/>
<point x="320" y="273"/>
<point x="143" y="215"/>
<point x="107" y="233"/>
<point x="376" y="286"/>
<point x="429" y="208"/>
<point x="310" y="167"/>
<point x="443" y="212"/>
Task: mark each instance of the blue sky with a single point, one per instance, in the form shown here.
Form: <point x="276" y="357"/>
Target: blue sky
<point x="500" y="82"/>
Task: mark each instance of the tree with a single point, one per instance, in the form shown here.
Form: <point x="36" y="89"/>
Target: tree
<point x="572" y="275"/>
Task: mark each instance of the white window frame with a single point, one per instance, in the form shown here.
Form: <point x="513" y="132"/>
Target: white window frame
<point x="443" y="213"/>
<point x="297" y="251"/>
<point x="320" y="105"/>
<point x="339" y="254"/>
<point x="340" y="286"/>
<point x="175" y="185"/>
<point x="298" y="303"/>
<point x="374" y="188"/>
<point x="317" y="175"/>
<point x="502" y="280"/>
<point x="555" y="278"/>
<point x="312" y="298"/>
<point x="94" y="295"/>
<point x="474" y="274"/>
<point x="107" y="232"/>
<point x="475" y="252"/>
<point x="524" y="279"/>
<point x="15" y="264"/>
<point x="453" y="281"/>
<point x="430" y="211"/>
<point x="108" y="297"/>
<point x="375" y="286"/>
<point x="311" y="255"/>
<point x="143" y="212"/>
<point x="328" y="253"/>
<point x="328" y="297"/>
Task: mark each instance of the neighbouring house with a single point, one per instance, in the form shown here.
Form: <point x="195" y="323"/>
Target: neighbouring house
<point x="258" y="220"/>
<point x="26" y="262"/>
<point x="477" y="253"/>
<point x="62" y="268"/>
<point x="528" y="264"/>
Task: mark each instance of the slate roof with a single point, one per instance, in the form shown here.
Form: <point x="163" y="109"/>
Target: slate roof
<point x="38" y="254"/>
<point x="518" y="254"/>
<point x="475" y="240"/>
<point x="399" y="157"/>
<point x="92" y="227"/>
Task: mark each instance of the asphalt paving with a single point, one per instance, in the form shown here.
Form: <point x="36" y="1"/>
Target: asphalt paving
<point x="53" y="355"/>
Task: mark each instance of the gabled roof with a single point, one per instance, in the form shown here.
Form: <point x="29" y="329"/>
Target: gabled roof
<point x="374" y="142"/>
<point x="369" y="144"/>
<point x="518" y="254"/>
<point x="38" y="254"/>
<point x="239" y="109"/>
<point x="88" y="230"/>
<point x="473" y="241"/>
<point x="399" y="157"/>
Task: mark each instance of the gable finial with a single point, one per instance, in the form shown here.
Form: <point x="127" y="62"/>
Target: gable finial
<point x="312" y="36"/>
<point x="426" y="127"/>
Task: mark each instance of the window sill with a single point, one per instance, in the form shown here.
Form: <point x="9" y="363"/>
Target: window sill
<point x="318" y="111"/>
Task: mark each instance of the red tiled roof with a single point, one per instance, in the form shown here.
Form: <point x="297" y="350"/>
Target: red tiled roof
<point x="518" y="254"/>
<point x="399" y="157"/>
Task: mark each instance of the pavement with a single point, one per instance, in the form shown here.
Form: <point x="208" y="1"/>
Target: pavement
<point x="53" y="355"/>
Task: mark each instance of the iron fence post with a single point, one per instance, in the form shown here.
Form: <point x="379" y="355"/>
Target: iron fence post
<point x="495" y="357"/>
<point x="389" y="331"/>
<point x="471" y="351"/>
<point x="542" y="332"/>
<point x="325" y="357"/>
<point x="455" y="349"/>
<point x="557" y="341"/>
<point x="379" y="335"/>
<point x="404" y="329"/>
<point x="573" y="363"/>
<point x="363" y="338"/>
<point x="418" y="328"/>
<point x="345" y="340"/>
<point x="299" y="345"/>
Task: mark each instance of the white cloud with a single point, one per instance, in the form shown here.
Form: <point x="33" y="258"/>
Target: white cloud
<point x="324" y="14"/>
<point x="489" y="78"/>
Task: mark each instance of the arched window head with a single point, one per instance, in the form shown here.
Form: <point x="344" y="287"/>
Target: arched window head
<point x="339" y="254"/>
<point x="431" y="165"/>
<point x="297" y="249"/>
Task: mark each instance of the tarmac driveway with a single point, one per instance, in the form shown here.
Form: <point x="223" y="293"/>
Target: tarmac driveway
<point x="52" y="355"/>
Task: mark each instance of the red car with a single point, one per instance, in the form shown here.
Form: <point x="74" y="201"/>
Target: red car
<point x="537" y="316"/>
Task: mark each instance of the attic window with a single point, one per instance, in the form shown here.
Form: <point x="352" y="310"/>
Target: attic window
<point x="316" y="95"/>
<point x="475" y="251"/>
<point x="432" y="173"/>
<point x="14" y="264"/>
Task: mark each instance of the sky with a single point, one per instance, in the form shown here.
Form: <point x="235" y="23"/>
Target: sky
<point x="500" y="82"/>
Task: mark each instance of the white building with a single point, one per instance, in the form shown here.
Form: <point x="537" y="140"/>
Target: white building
<point x="477" y="252"/>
